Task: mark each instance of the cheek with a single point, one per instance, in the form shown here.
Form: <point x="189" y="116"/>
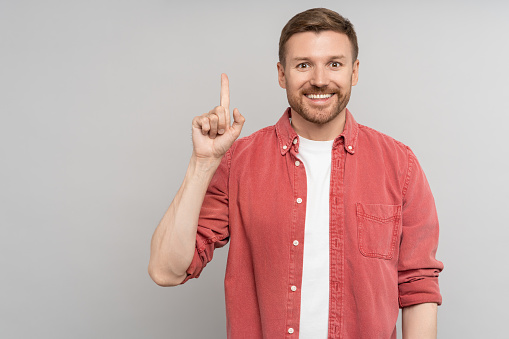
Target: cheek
<point x="293" y="91"/>
<point x="296" y="82"/>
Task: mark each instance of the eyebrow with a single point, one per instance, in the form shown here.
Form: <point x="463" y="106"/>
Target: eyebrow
<point x="334" y="57"/>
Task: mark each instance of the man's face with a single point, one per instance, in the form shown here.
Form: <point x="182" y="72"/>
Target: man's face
<point x="318" y="74"/>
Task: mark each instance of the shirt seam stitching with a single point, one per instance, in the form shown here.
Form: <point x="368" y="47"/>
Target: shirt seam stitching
<point x="410" y="169"/>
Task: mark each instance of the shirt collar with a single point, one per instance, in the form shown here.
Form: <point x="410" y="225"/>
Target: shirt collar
<point x="287" y="136"/>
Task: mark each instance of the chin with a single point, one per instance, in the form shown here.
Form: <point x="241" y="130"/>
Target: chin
<point x="318" y="116"/>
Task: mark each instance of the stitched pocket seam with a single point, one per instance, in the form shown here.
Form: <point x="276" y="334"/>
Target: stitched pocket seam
<point x="394" y="219"/>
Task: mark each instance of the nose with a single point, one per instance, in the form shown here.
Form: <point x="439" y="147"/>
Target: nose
<point x="319" y="77"/>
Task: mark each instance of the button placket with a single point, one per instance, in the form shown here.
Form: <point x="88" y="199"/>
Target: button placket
<point x="296" y="233"/>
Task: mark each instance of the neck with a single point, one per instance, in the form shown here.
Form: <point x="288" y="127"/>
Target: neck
<point x="319" y="132"/>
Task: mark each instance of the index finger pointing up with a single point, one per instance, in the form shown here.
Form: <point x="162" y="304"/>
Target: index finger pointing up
<point x="225" y="92"/>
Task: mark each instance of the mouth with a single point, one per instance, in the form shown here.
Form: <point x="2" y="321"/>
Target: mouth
<point x="319" y="98"/>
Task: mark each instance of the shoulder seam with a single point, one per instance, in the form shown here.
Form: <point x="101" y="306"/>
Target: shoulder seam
<point x="410" y="166"/>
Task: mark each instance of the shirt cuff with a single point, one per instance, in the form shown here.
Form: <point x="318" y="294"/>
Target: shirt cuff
<point x="425" y="290"/>
<point x="194" y="270"/>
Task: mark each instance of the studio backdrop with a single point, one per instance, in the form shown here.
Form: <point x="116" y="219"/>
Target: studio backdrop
<point x="96" y="104"/>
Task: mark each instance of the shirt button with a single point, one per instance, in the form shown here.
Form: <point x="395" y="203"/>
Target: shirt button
<point x="299" y="200"/>
<point x="295" y="242"/>
<point x="350" y="147"/>
<point x="285" y="147"/>
<point x="293" y="288"/>
<point x="290" y="330"/>
<point x="294" y="141"/>
<point x="297" y="163"/>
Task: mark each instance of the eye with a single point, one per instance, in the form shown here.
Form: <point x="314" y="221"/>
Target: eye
<point x="335" y="64"/>
<point x="303" y="65"/>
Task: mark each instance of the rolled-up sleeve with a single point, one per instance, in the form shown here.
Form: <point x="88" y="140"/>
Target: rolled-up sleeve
<point x="418" y="269"/>
<point x="213" y="230"/>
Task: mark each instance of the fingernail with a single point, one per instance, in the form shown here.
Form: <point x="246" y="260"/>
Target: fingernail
<point x="221" y="131"/>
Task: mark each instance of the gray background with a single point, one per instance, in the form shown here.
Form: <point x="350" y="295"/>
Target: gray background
<point x="97" y="99"/>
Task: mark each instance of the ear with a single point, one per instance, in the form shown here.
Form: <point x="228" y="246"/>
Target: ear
<point x="281" y="75"/>
<point x="355" y="72"/>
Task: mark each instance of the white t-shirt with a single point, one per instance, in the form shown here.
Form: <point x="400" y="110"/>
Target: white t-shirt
<point x="314" y="310"/>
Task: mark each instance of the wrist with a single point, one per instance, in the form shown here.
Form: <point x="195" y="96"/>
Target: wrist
<point x="203" y="167"/>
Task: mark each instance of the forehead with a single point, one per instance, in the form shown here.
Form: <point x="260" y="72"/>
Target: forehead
<point x="318" y="45"/>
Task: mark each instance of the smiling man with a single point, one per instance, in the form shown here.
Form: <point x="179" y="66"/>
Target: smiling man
<point x="332" y="225"/>
<point x="318" y="70"/>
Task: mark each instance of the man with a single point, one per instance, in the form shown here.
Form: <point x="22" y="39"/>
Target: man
<point x="332" y="225"/>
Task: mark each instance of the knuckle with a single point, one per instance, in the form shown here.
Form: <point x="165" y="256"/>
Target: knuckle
<point x="219" y="110"/>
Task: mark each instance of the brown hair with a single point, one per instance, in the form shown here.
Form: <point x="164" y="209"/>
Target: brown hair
<point x="317" y="20"/>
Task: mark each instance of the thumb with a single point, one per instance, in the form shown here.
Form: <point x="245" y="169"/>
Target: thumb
<point x="238" y="122"/>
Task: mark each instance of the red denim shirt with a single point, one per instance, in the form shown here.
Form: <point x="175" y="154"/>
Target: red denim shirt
<point x="383" y="233"/>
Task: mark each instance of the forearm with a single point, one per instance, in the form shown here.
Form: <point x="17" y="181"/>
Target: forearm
<point x="420" y="321"/>
<point x="173" y="243"/>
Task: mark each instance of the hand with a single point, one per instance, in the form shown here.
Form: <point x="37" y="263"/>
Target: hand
<point x="212" y="133"/>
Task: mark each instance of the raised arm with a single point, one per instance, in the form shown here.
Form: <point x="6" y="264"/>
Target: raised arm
<point x="173" y="243"/>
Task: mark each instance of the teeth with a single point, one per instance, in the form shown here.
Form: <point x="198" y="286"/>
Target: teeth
<point x="318" y="96"/>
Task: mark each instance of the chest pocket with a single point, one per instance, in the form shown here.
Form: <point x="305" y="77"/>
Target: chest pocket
<point x="377" y="229"/>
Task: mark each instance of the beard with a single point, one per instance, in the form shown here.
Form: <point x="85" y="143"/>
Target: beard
<point x="319" y="115"/>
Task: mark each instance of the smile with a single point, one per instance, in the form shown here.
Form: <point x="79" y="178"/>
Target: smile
<point x="319" y="96"/>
